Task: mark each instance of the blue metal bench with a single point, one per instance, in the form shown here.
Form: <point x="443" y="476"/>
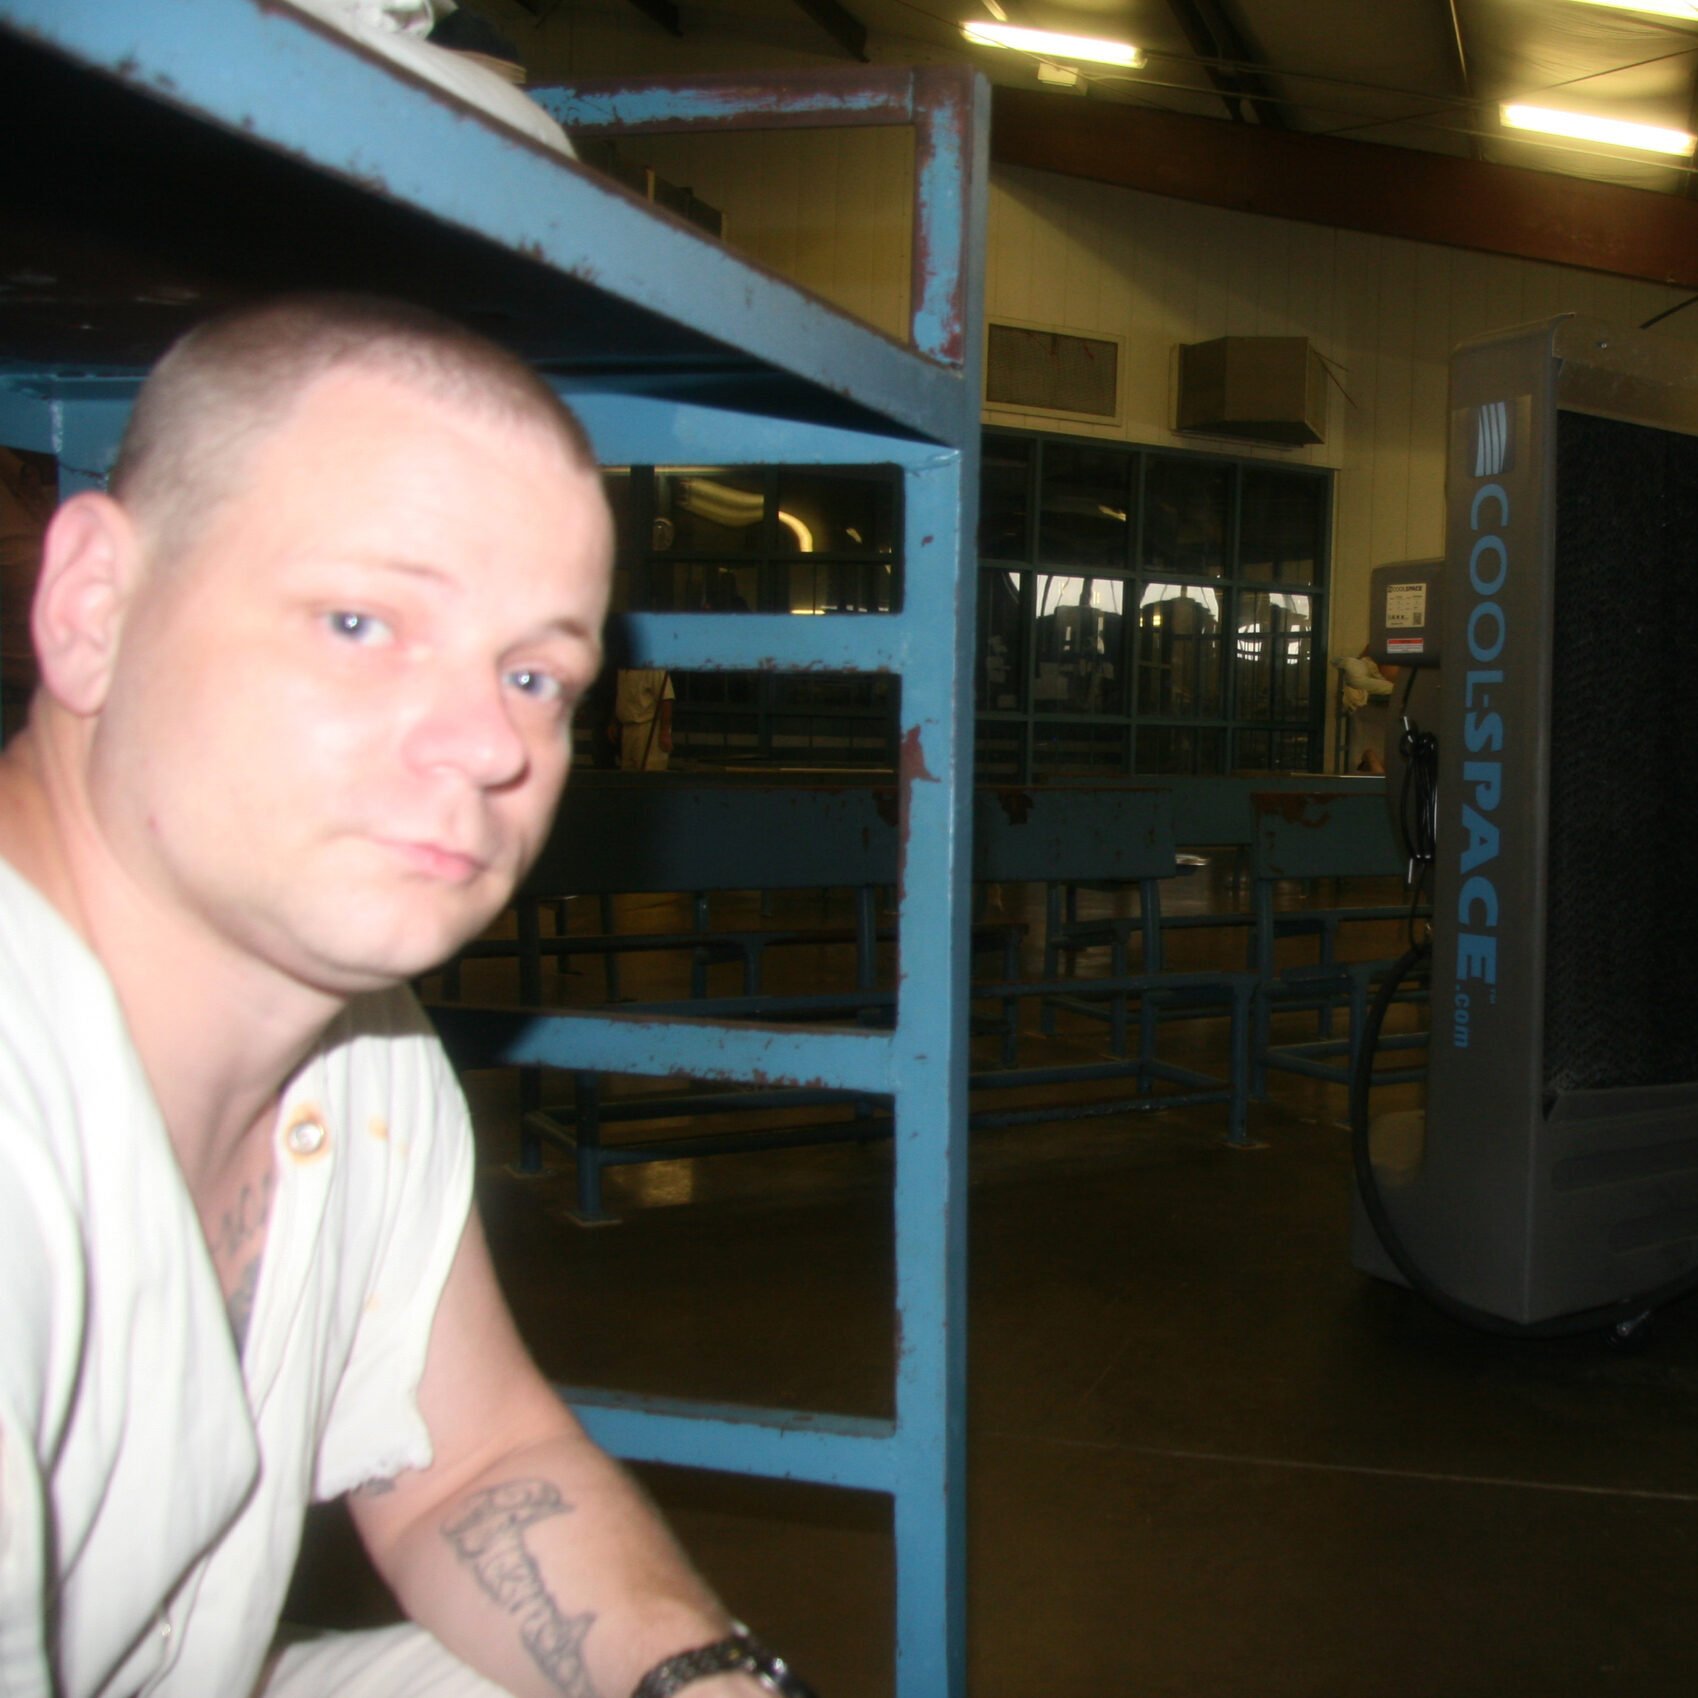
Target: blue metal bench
<point x="1308" y="837"/>
<point x="678" y="833"/>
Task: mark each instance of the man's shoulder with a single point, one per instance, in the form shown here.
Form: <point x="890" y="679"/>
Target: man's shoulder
<point x="80" y="1136"/>
<point x="55" y="997"/>
<point x="30" y="923"/>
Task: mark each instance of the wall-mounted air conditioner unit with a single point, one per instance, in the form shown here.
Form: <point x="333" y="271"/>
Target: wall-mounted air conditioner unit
<point x="1034" y="368"/>
<point x="1257" y="388"/>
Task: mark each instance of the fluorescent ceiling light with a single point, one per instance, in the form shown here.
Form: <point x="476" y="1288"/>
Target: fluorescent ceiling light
<point x="1055" y="46"/>
<point x="1683" y="9"/>
<point x="1581" y="127"/>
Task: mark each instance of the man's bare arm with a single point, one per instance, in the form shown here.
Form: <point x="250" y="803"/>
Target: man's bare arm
<point x="526" y="1549"/>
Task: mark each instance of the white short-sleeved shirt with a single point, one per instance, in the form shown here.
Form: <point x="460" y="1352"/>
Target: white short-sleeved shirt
<point x="152" y="1485"/>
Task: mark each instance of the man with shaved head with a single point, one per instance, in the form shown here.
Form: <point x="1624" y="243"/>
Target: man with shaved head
<point x="307" y="679"/>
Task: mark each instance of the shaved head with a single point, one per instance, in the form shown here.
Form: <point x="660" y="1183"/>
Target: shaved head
<point x="230" y="381"/>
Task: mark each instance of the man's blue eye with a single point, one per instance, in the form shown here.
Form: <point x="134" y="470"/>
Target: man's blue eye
<point x="542" y="686"/>
<point x="359" y="627"/>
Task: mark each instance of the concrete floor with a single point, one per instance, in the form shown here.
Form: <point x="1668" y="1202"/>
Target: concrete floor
<point x="1207" y="1457"/>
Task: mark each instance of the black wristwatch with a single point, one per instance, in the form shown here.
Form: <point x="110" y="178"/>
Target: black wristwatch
<point x="740" y="1653"/>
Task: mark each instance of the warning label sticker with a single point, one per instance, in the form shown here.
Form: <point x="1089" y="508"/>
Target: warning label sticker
<point x="1406" y="605"/>
<point x="1406" y="645"/>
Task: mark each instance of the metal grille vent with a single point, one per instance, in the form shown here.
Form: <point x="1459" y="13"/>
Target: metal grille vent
<point x="1621" y="993"/>
<point x="1053" y="371"/>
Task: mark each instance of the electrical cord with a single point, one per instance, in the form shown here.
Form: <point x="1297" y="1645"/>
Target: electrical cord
<point x="1622" y="1318"/>
<point x="1669" y="312"/>
<point x="1418" y="804"/>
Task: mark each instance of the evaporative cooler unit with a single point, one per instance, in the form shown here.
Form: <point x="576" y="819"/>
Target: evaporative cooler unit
<point x="1556" y="1169"/>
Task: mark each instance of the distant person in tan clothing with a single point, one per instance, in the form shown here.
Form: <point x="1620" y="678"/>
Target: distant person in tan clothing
<point x="642" y="719"/>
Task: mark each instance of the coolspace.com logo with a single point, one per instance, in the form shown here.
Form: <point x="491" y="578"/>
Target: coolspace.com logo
<point x="1482" y="726"/>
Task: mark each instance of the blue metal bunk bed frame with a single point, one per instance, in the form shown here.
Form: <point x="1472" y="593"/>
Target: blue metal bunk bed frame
<point x="673" y="351"/>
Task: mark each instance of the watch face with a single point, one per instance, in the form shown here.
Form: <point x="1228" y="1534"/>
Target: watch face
<point x="777" y="1676"/>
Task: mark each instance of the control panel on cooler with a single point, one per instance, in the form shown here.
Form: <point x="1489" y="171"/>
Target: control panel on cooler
<point x="1403" y="613"/>
<point x="1404" y="618"/>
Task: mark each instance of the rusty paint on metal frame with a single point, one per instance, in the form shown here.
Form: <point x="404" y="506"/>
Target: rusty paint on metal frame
<point x="941" y="158"/>
<point x="732" y="101"/>
<point x="1294" y="807"/>
<point x="937" y="101"/>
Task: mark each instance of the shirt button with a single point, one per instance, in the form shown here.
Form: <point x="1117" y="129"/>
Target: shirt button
<point x="305" y="1136"/>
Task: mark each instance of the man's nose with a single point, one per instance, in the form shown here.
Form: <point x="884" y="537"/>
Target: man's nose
<point x="468" y="727"/>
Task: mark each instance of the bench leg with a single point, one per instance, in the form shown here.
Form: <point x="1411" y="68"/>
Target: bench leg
<point x="610" y="960"/>
<point x="1260" y="1022"/>
<point x="1147" y="1024"/>
<point x="699" y="958"/>
<point x="1117" y="1003"/>
<point x="529" y="1163"/>
<point x="1052" y="955"/>
<point x="866" y="937"/>
<point x="586" y="1093"/>
<point x="1329" y="954"/>
<point x="1010" y="1004"/>
<point x="1237" y="1118"/>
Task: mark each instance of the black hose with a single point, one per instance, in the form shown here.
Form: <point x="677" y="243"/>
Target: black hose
<point x="1622" y="1317"/>
<point x="1669" y="312"/>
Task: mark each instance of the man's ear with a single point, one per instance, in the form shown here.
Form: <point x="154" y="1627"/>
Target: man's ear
<point x="90" y="559"/>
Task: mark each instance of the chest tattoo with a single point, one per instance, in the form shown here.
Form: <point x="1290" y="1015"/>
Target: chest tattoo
<point x="238" y="1248"/>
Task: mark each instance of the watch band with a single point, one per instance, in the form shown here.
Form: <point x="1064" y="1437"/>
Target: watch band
<point x="740" y="1652"/>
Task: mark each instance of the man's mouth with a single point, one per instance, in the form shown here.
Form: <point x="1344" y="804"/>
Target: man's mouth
<point x="437" y="860"/>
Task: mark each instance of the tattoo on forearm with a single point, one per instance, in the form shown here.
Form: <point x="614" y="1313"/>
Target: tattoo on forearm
<point x="489" y="1537"/>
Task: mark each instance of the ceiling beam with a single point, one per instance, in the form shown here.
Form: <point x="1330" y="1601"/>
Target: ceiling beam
<point x="662" y="12"/>
<point x="840" y="24"/>
<point x="1215" y="35"/>
<point x="1351" y="185"/>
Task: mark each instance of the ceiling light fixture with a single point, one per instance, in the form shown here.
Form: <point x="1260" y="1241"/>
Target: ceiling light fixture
<point x="1685" y="10"/>
<point x="996" y="11"/>
<point x="1580" y="126"/>
<point x="1058" y="76"/>
<point x="1055" y="46"/>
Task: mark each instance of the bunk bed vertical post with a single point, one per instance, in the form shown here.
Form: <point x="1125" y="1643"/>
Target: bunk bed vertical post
<point x="936" y="773"/>
<point x="930" y="1066"/>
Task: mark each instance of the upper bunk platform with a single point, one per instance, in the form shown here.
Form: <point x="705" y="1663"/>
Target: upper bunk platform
<point x="171" y="158"/>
